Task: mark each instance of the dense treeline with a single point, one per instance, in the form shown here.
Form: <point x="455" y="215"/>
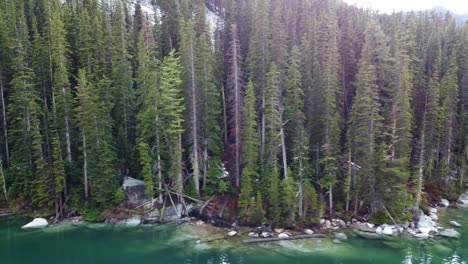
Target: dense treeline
<point x="314" y="107"/>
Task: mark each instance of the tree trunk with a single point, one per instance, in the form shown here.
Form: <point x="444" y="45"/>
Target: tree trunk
<point x="194" y="117"/>
<point x="3" y="180"/>
<point x="283" y="147"/>
<point x="85" y="165"/>
<point x="4" y="121"/>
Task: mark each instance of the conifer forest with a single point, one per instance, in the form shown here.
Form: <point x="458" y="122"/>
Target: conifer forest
<point x="295" y="109"/>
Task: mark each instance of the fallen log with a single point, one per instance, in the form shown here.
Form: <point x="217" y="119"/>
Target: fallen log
<point x="261" y="240"/>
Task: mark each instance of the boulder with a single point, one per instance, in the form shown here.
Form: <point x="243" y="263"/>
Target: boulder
<point x="279" y="230"/>
<point x="341" y="223"/>
<point x="450" y="233"/>
<point x="387" y="230"/>
<point x="151" y="218"/>
<point x="265" y="234"/>
<point x="379" y="230"/>
<point x="322" y="221"/>
<point x="36" y="223"/>
<point x="433" y="210"/>
<point x="134" y="221"/>
<point x="253" y="235"/>
<point x="336" y="241"/>
<point x="173" y="214"/>
<point x="134" y="191"/>
<point x="364" y="227"/>
<point x="232" y="233"/>
<point x="418" y="215"/>
<point x="422" y="235"/>
<point x="328" y="224"/>
<point x="455" y="224"/>
<point x="341" y="236"/>
<point x="433" y="217"/>
<point x="308" y="231"/>
<point x="283" y="235"/>
<point x="463" y="198"/>
<point x="199" y="223"/>
<point x="444" y="203"/>
<point x="425" y="226"/>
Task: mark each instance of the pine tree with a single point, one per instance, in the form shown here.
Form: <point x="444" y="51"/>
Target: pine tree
<point x="171" y="109"/>
<point x="235" y="101"/>
<point x="250" y="154"/>
<point x="188" y="45"/>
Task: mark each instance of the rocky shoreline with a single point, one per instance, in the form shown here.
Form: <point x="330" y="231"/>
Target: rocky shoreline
<point x="423" y="226"/>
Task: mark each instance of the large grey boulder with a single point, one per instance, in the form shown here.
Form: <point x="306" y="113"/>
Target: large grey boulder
<point x="463" y="198"/>
<point x="36" y="223"/>
<point x="134" y="191"/>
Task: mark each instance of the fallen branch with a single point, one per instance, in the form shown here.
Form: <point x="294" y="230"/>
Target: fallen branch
<point x="272" y="239"/>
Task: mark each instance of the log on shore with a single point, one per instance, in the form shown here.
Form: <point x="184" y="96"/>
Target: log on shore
<point x="272" y="239"/>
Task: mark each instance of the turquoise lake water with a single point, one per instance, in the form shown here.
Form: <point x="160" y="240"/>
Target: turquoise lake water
<point x="99" y="243"/>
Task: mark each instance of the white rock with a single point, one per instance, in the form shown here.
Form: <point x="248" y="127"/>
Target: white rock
<point x="279" y="230"/>
<point x="283" y="235"/>
<point x="328" y="224"/>
<point x="379" y="230"/>
<point x="425" y="226"/>
<point x="444" y="203"/>
<point x="308" y="231"/>
<point x="341" y="222"/>
<point x="370" y="225"/>
<point x="232" y="233"/>
<point x="433" y="210"/>
<point x="134" y="221"/>
<point x="36" y="223"/>
<point x="253" y="234"/>
<point x="199" y="223"/>
<point x="388" y="230"/>
<point x="322" y="221"/>
<point x="454" y="223"/>
<point x="434" y="217"/>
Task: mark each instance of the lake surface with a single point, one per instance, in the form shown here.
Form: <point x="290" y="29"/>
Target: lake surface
<point x="99" y="243"/>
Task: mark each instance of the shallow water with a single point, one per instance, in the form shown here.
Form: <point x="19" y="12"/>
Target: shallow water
<point x="97" y="243"/>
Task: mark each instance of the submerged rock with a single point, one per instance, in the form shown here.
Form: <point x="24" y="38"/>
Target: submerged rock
<point x="450" y="233"/>
<point x="455" y="224"/>
<point x="341" y="236"/>
<point x="36" y="223"/>
<point x="422" y="235"/>
<point x="336" y="241"/>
